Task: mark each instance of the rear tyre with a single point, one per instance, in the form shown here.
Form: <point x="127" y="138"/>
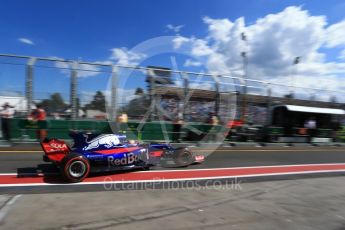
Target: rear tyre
<point x="75" y="168"/>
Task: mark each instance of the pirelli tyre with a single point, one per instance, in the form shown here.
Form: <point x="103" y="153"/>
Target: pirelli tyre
<point x="75" y="168"/>
<point x="183" y="157"/>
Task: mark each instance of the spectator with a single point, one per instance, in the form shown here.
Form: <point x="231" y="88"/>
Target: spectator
<point x="123" y="118"/>
<point x="121" y="125"/>
<point x="212" y="132"/>
<point x="311" y="125"/>
<point x="6" y="114"/>
<point x="177" y="126"/>
<point x="213" y="119"/>
<point x="39" y="115"/>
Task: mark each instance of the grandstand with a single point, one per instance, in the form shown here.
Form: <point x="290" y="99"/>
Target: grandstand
<point x="257" y="105"/>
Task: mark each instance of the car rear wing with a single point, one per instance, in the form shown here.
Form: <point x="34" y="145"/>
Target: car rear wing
<point x="55" y="149"/>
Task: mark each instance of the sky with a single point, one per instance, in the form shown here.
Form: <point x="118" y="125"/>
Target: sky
<point x="191" y="35"/>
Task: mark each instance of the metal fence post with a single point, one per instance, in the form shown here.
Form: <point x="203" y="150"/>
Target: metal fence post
<point x="113" y="106"/>
<point x="244" y="100"/>
<point x="185" y="94"/>
<point x="217" y="99"/>
<point x="73" y="96"/>
<point x="28" y="84"/>
<point x="245" y="75"/>
<point x="269" y="103"/>
<point x="152" y="94"/>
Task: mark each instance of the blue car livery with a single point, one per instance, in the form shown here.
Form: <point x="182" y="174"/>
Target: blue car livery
<point x="111" y="152"/>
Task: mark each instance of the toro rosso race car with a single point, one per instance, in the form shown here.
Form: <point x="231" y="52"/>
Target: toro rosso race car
<point x="111" y="152"/>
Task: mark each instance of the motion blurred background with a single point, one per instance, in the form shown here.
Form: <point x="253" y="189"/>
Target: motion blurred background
<point x="260" y="75"/>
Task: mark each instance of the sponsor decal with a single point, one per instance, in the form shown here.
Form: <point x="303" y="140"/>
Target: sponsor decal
<point x="127" y="159"/>
<point x="58" y="145"/>
<point x="55" y="147"/>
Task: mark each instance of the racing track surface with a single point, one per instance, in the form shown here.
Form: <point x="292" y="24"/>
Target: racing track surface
<point x="19" y="164"/>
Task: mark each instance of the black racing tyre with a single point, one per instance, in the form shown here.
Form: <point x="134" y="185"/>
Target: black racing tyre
<point x="183" y="157"/>
<point x="75" y="168"/>
<point x="146" y="167"/>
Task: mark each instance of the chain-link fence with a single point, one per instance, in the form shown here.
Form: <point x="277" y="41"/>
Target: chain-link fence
<point x="70" y="89"/>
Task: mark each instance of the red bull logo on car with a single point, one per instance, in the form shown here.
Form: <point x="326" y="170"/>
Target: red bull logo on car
<point x="107" y="141"/>
<point x="128" y="158"/>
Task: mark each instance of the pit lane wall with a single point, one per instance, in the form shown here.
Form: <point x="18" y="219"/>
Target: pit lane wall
<point x="22" y="129"/>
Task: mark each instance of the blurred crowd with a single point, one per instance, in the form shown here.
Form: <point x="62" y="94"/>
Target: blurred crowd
<point x="199" y="111"/>
<point x="195" y="111"/>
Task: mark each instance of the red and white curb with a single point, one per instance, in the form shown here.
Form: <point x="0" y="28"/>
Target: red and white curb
<point x="15" y="180"/>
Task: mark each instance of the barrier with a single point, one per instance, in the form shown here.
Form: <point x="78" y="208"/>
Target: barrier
<point x="150" y="131"/>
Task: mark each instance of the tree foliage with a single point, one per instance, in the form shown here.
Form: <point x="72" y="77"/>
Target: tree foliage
<point x="98" y="102"/>
<point x="54" y="104"/>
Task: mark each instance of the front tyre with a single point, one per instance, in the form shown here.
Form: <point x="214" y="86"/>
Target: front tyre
<point x="183" y="157"/>
<point x="75" y="168"/>
<point x="146" y="167"/>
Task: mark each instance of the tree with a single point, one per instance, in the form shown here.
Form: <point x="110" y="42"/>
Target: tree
<point x="54" y="104"/>
<point x="98" y="102"/>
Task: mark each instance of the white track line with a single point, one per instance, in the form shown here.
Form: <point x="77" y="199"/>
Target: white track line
<point x="29" y="174"/>
<point x="6" y="208"/>
<point x="171" y="180"/>
<point x="186" y="179"/>
<point x="186" y="170"/>
<point x="218" y="150"/>
<point x="246" y="167"/>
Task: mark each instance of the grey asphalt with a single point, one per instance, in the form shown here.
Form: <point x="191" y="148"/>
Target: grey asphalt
<point x="30" y="162"/>
<point x="304" y="204"/>
<point x="23" y="162"/>
<point x="293" y="202"/>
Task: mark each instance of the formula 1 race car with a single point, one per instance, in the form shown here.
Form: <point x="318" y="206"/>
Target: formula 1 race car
<point x="111" y="152"/>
